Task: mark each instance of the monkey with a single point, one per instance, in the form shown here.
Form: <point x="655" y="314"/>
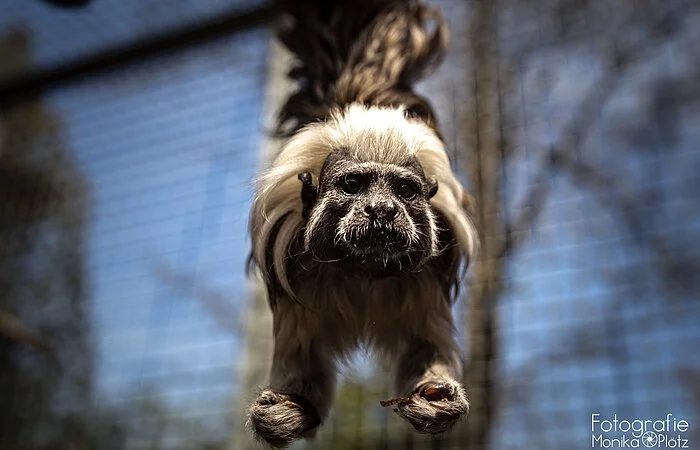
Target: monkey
<point x="360" y="228"/>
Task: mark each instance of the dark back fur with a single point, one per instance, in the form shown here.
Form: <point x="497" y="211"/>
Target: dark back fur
<point x="365" y="51"/>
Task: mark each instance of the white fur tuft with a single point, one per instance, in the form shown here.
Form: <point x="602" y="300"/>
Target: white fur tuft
<point x="377" y="134"/>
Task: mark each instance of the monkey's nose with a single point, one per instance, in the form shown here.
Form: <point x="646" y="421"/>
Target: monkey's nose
<point x="383" y="210"/>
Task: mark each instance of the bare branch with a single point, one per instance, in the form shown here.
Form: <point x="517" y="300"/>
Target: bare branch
<point x="224" y="313"/>
<point x="16" y="330"/>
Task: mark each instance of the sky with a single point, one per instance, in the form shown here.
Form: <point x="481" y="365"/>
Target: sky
<point x="169" y="149"/>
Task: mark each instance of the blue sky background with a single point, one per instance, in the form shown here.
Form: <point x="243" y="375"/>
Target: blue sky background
<point x="170" y="149"/>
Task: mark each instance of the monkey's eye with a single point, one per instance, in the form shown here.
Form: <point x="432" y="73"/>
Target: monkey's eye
<point x="407" y="191"/>
<point x="351" y="184"/>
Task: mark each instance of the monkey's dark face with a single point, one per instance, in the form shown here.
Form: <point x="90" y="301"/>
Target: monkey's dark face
<point x="370" y="217"/>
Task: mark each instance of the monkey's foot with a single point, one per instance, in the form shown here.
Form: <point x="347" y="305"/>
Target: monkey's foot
<point x="279" y="419"/>
<point x="434" y="407"/>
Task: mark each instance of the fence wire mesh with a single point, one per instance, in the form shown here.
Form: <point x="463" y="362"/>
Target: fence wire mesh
<point x="126" y="318"/>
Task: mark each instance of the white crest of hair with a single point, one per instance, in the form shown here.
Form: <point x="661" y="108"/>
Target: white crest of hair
<point x="376" y="134"/>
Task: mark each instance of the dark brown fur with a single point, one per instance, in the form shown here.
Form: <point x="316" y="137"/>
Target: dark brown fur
<point x="364" y="51"/>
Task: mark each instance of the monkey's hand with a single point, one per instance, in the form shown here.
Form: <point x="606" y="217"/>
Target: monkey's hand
<point x="434" y="407"/>
<point x="279" y="419"/>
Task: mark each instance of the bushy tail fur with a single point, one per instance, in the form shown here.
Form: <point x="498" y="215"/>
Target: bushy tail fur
<point x="366" y="51"/>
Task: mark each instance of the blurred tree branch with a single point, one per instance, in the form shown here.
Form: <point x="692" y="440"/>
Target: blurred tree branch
<point x="486" y="160"/>
<point x="16" y="330"/>
<point x="218" y="304"/>
<point x="484" y="166"/>
<point x="44" y="210"/>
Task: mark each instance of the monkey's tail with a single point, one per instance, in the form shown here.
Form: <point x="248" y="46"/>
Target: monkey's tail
<point x="366" y="51"/>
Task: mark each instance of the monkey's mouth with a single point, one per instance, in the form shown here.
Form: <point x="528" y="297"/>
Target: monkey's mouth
<point x="382" y="246"/>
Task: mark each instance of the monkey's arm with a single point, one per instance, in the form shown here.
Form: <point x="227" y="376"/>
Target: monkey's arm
<point x="302" y="378"/>
<point x="427" y="364"/>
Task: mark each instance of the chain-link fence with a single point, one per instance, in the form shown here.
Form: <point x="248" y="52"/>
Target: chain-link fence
<point x="131" y="131"/>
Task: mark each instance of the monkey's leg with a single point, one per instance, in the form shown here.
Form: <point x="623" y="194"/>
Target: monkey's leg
<point x="301" y="384"/>
<point x="427" y="374"/>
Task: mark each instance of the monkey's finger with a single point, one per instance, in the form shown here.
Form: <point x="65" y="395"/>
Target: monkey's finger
<point x="394" y="401"/>
<point x="291" y="404"/>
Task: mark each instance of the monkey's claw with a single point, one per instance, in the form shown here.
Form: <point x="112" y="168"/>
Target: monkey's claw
<point x="434" y="407"/>
<point x="279" y="419"/>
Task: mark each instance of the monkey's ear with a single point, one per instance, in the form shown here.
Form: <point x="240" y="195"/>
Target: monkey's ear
<point x="432" y="187"/>
<point x="309" y="193"/>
